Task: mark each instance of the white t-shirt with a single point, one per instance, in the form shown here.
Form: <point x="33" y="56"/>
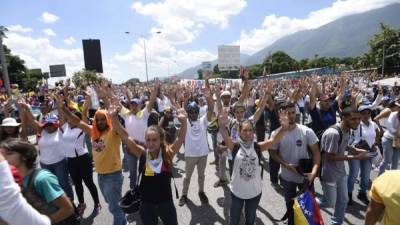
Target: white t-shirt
<point x="196" y="138"/>
<point x="14" y="209"/>
<point x="393" y="125"/>
<point x="162" y="103"/>
<point x="203" y="110"/>
<point x="50" y="147"/>
<point x="136" y="125"/>
<point x="368" y="133"/>
<point x="73" y="141"/>
<point x="246" y="175"/>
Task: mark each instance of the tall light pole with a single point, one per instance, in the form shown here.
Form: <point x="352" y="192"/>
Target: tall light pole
<point x="144" y="49"/>
<point x="6" y="79"/>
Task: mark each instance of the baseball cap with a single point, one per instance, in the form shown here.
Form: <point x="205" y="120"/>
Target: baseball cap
<point x="225" y="93"/>
<point x="136" y="101"/>
<point x="9" y="122"/>
<point x="50" y="119"/>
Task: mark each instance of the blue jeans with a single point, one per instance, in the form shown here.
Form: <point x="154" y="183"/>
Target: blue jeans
<point x="250" y="209"/>
<point x="336" y="195"/>
<point x="132" y="166"/>
<point x="354" y="168"/>
<point x="111" y="188"/>
<point x="390" y="155"/>
<point x="149" y="213"/>
<point x="60" y="169"/>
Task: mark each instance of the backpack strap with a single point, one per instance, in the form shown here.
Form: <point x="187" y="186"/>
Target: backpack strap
<point x="234" y="152"/>
<point x="261" y="159"/>
<point x="339" y="130"/>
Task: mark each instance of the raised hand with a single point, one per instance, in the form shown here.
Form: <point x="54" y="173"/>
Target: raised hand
<point x="223" y="118"/>
<point x="181" y="115"/>
<point x="284" y="119"/>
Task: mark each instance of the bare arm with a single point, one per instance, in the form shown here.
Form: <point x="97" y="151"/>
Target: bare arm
<point x="76" y="121"/>
<point x="374" y="212"/>
<point x="182" y="117"/>
<point x="222" y="121"/>
<point x="65" y="209"/>
<point x="284" y="121"/>
<point x="153" y="96"/>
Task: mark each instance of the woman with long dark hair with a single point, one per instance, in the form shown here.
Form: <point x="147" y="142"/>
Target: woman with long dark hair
<point x="157" y="155"/>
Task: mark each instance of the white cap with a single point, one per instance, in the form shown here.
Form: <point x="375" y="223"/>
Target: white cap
<point x="225" y="93"/>
<point x="9" y="122"/>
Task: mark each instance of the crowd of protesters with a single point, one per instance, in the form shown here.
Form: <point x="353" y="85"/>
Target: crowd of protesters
<point x="310" y="126"/>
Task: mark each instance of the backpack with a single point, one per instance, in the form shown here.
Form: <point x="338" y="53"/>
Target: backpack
<point x="37" y="202"/>
<point x="261" y="159"/>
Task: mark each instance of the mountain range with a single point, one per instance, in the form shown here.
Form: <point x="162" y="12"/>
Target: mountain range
<point x="346" y="36"/>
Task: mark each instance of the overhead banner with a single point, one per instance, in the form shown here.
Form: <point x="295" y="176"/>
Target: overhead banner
<point x="58" y="70"/>
<point x="228" y="57"/>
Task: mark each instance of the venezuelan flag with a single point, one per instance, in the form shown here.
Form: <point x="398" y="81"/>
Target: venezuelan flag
<point x="306" y="210"/>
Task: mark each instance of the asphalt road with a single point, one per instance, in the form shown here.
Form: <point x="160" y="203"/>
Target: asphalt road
<point x="272" y="205"/>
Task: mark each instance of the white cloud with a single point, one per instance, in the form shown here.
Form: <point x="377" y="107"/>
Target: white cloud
<point x="48" y="17"/>
<point x="49" y="32"/>
<point x="69" y="41"/>
<point x="275" y="27"/>
<point x="181" y="21"/>
<point x="40" y="53"/>
<point x="19" y="28"/>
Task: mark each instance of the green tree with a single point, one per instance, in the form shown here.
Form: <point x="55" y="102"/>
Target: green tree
<point x="256" y="70"/>
<point x="279" y="62"/>
<point x="385" y="46"/>
<point x="216" y="69"/>
<point x="85" y="76"/>
<point x="200" y="74"/>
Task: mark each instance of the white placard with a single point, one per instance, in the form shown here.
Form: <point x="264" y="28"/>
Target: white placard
<point x="228" y="57"/>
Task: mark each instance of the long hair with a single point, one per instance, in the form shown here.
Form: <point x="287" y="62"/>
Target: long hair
<point x="166" y="159"/>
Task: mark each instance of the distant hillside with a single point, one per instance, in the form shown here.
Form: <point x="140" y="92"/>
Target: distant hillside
<point x="347" y="36"/>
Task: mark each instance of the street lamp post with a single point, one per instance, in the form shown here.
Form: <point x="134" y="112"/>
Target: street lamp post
<point x="6" y="78"/>
<point x="144" y="49"/>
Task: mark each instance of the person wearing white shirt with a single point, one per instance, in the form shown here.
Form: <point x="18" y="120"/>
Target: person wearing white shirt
<point x="366" y="132"/>
<point x="196" y="148"/>
<point x="390" y="154"/>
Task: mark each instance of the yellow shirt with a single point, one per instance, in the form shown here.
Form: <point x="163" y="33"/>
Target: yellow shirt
<point x="386" y="190"/>
<point x="106" y="153"/>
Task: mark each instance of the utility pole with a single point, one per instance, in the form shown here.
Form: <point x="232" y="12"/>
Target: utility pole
<point x="6" y="79"/>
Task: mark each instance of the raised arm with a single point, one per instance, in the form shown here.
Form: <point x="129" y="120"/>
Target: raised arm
<point x="76" y="121"/>
<point x="313" y="94"/>
<point x="210" y="104"/>
<point x="153" y="95"/>
<point x="182" y="117"/>
<point x="222" y="122"/>
<point x="133" y="148"/>
<point x="284" y="121"/>
<point x="29" y="118"/>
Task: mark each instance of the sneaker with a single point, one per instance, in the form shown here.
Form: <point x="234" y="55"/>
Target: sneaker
<point x="277" y="186"/>
<point x="183" y="200"/>
<point x="220" y="183"/>
<point x="96" y="210"/>
<point x="363" y="198"/>
<point x="81" y="208"/>
<point x="203" y="197"/>
<point x="350" y="202"/>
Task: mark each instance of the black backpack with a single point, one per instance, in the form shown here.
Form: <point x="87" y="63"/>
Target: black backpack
<point x="261" y="159"/>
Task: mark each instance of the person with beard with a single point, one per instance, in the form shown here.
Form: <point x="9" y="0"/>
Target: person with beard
<point x="288" y="152"/>
<point x="167" y="123"/>
<point x="106" y="157"/>
<point x="196" y="147"/>
<point x="335" y="142"/>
